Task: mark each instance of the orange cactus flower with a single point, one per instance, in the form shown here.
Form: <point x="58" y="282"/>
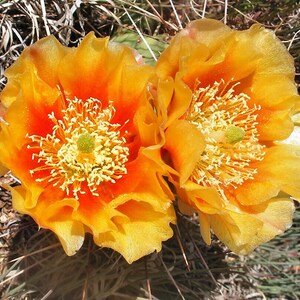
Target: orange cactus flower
<point x="3" y="170"/>
<point x="80" y="134"/>
<point x="232" y="104"/>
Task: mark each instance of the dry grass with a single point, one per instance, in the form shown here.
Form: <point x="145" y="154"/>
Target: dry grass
<point x="33" y="265"/>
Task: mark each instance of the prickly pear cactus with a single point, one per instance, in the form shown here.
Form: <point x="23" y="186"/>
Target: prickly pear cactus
<point x="157" y="44"/>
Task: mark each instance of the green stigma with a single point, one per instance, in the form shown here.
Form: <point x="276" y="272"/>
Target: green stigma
<point x="86" y="143"/>
<point x="234" y="134"/>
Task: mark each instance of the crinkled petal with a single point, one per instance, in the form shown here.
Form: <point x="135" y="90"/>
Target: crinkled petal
<point x="294" y="138"/>
<point x="34" y="64"/>
<point x="267" y="220"/>
<point x="279" y="171"/>
<point x="274" y="124"/>
<point x="255" y="59"/>
<point x="186" y="151"/>
<point x="205" y="227"/>
<point x="139" y="232"/>
<point x="56" y="217"/>
<point x="191" y="41"/>
<point x="201" y="199"/>
<point x="92" y="57"/>
<point x="142" y="183"/>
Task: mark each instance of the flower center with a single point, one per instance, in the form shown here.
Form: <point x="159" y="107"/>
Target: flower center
<point x="84" y="147"/>
<point x="230" y="130"/>
<point x="86" y="143"/>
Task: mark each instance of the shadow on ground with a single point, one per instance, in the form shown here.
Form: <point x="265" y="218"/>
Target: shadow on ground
<point x="39" y="268"/>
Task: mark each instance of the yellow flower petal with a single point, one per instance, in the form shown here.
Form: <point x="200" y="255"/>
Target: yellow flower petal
<point x="274" y="125"/>
<point x="187" y="44"/>
<point x="56" y="217"/>
<point x="278" y="171"/>
<point x="187" y="149"/>
<point x="205" y="228"/>
<point x="267" y="220"/>
<point x="139" y="218"/>
<point x="201" y="199"/>
<point x="34" y="59"/>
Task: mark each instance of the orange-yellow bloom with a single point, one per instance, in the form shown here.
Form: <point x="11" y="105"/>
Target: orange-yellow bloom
<point x="81" y="135"/>
<point x="233" y="99"/>
<point x="3" y="170"/>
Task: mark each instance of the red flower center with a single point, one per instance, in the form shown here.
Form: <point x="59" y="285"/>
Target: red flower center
<point x="83" y="147"/>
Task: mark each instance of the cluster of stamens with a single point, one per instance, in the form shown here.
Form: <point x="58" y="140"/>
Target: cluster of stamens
<point x="84" y="147"/>
<point x="229" y="127"/>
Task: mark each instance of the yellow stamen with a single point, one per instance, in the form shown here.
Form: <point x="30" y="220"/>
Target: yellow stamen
<point x="230" y="130"/>
<point x="84" y="147"/>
